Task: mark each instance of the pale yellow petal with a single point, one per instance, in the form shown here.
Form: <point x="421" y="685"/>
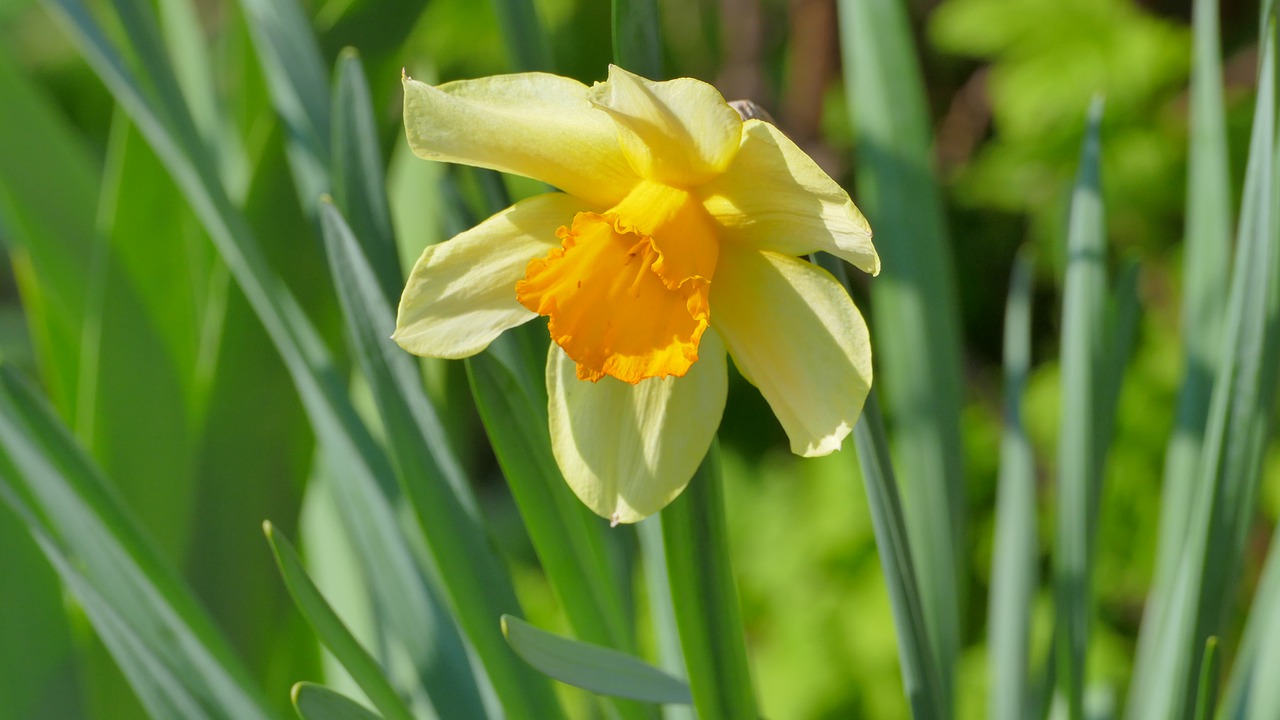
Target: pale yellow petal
<point x="775" y="197"/>
<point x="796" y="335"/>
<point x="461" y="293"/>
<point x="629" y="450"/>
<point x="679" y="131"/>
<point x="533" y="124"/>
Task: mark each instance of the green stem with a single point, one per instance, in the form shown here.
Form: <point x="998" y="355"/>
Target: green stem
<point x="705" y="597"/>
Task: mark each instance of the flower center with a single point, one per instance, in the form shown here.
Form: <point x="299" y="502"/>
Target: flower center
<point x="626" y="293"/>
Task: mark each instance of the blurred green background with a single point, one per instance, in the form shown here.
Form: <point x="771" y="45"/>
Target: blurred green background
<point x="113" y="297"/>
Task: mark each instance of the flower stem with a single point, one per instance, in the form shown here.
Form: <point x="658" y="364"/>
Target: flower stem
<point x="706" y="600"/>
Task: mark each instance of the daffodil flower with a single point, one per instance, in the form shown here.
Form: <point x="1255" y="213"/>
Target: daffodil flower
<point x="676" y="235"/>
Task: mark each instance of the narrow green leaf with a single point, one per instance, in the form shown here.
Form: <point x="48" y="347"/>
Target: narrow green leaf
<point x="146" y="43"/>
<point x="169" y="649"/>
<point x="1207" y="688"/>
<point x="1205" y="273"/>
<point x="357" y="463"/>
<point x="137" y="406"/>
<point x="332" y="632"/>
<point x="662" y="613"/>
<point x="914" y="304"/>
<point x="48" y="193"/>
<point x="1249" y="674"/>
<point x="637" y="40"/>
<point x="1015" y="558"/>
<point x="921" y="676"/>
<point x="157" y="688"/>
<point x="358" y="175"/>
<point x="35" y="643"/>
<point x="1194" y="604"/>
<point x="705" y="597"/>
<point x="921" y="673"/>
<point x="1079" y="450"/>
<point x="299" y="89"/>
<point x="567" y="537"/>
<point x="592" y="667"/>
<point x="194" y="70"/>
<point x="479" y="589"/>
<point x="528" y="49"/>
<point x="317" y="702"/>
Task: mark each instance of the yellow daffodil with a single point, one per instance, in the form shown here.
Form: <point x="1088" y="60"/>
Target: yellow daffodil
<point x="676" y="235"/>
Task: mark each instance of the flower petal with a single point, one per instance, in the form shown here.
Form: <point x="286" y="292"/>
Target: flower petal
<point x="533" y="124"/>
<point x="461" y="293"/>
<point x="628" y="450"/>
<point x="775" y="197"/>
<point x="679" y="131"/>
<point x="796" y="335"/>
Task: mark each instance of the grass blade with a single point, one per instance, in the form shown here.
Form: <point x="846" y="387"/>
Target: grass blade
<point x="1080" y="451"/>
<point x="358" y="175"/>
<point x="316" y="702"/>
<point x="1248" y="673"/>
<point x="1207" y="688"/>
<point x="528" y="49"/>
<point x="705" y="597"/>
<point x="1206" y="277"/>
<point x="358" y="465"/>
<point x="1238" y="427"/>
<point x="921" y="673"/>
<point x="921" y="676"/>
<point x="48" y="192"/>
<point x="1264" y="699"/>
<point x="592" y="667"/>
<point x="566" y="536"/>
<point x="637" y="40"/>
<point x="915" y="304"/>
<point x="299" y="87"/>
<point x="1015" y="559"/>
<point x="480" y="591"/>
<point x="168" y="647"/>
<point x="662" y="613"/>
<point x="332" y="632"/>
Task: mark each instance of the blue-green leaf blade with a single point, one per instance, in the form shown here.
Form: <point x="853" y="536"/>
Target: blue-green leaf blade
<point x="1015" y="558"/>
<point x="358" y="175"/>
<point x="479" y="588"/>
<point x="299" y="87"/>
<point x="1193" y="604"/>
<point x="1079" y="450"/>
<point x="705" y="596"/>
<point x="592" y="667"/>
<point x="317" y="702"/>
<point x="332" y="632"/>
<point x="144" y="613"/>
<point x="915" y="316"/>
<point x="637" y="41"/>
